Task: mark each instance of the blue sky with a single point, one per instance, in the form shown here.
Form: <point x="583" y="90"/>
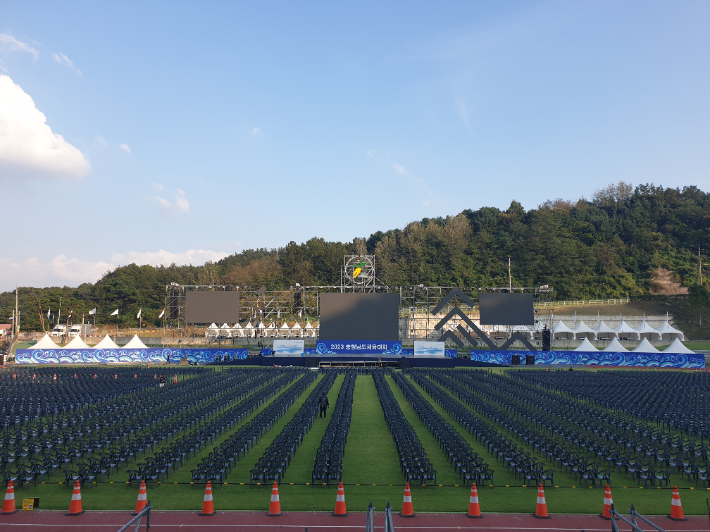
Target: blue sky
<point x="191" y="130"/>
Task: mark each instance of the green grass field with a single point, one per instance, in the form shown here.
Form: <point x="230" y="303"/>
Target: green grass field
<point x="371" y="472"/>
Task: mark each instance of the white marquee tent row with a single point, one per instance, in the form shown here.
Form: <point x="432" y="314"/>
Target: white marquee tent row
<point x="603" y="332"/>
<point x="46" y="343"/>
<point x="644" y="347"/>
<point x="260" y="330"/>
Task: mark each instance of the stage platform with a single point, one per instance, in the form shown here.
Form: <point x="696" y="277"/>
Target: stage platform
<point x="359" y="362"/>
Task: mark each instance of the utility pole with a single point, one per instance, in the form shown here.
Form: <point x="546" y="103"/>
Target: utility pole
<point x="16" y="321"/>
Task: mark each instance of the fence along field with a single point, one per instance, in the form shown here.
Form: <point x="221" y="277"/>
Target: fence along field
<point x="243" y="428"/>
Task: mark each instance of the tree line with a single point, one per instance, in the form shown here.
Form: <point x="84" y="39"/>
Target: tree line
<point x="608" y="246"/>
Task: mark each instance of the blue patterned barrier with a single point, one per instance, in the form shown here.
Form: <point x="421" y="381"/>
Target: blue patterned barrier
<point x="136" y="356"/>
<point x="600" y="358"/>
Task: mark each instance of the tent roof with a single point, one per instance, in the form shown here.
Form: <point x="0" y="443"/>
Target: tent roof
<point x="677" y="347"/>
<point x="45" y="343"/>
<point x="225" y="326"/>
<point x="582" y="328"/>
<point x="285" y="326"/>
<point x="645" y="347"/>
<point x="77" y="343"/>
<point x="646" y="328"/>
<point x="237" y="326"/>
<point x="562" y="328"/>
<point x="625" y="328"/>
<point x="586" y="345"/>
<point x="296" y="326"/>
<point x="249" y="325"/>
<point x="308" y="325"/>
<point x="603" y="328"/>
<point x="667" y="328"/>
<point x="213" y="326"/>
<point x="261" y="325"/>
<point x="106" y="343"/>
<point x="135" y="343"/>
<point x="615" y="347"/>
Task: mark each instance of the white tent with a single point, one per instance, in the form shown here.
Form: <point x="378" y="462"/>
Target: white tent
<point x="273" y="329"/>
<point x="667" y="328"/>
<point x="237" y="331"/>
<point x="645" y="328"/>
<point x="645" y="347"/>
<point x="261" y="329"/>
<point x="677" y="347"/>
<point x="249" y="330"/>
<point x="106" y="343"/>
<point x="212" y="330"/>
<point x="77" y="343"/>
<point x="297" y="330"/>
<point x="225" y="331"/>
<point x="285" y="330"/>
<point x="586" y="345"/>
<point x="582" y="330"/>
<point x="615" y="347"/>
<point x="561" y="328"/>
<point x="623" y="328"/>
<point x="603" y="330"/>
<point x="308" y="330"/>
<point x="45" y="343"/>
<point x="135" y="343"/>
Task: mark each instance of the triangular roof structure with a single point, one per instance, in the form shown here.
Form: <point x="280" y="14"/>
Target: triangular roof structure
<point x="586" y="345"/>
<point x="261" y="325"/>
<point x="677" y="347"/>
<point x="581" y="328"/>
<point x="237" y="326"/>
<point x="667" y="328"/>
<point x="135" y="343"/>
<point x="225" y="326"/>
<point x="625" y="328"/>
<point x="285" y="327"/>
<point x="645" y="328"/>
<point x="603" y="328"/>
<point x="249" y="325"/>
<point x="615" y="347"/>
<point x="45" y="343"/>
<point x="645" y="347"/>
<point x="295" y="326"/>
<point x="77" y="343"/>
<point x="213" y="326"/>
<point x="308" y="325"/>
<point x="562" y="328"/>
<point x="106" y="343"/>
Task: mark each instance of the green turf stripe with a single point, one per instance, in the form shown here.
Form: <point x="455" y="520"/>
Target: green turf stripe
<point x="370" y="454"/>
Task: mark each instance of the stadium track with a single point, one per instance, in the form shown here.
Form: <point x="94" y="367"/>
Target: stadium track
<point x="56" y="521"/>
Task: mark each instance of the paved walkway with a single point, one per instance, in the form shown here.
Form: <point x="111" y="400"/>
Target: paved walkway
<point x="56" y="521"/>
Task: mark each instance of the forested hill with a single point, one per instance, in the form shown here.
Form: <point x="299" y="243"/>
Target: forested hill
<point x="609" y="246"/>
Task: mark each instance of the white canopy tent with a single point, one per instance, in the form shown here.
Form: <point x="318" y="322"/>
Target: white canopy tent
<point x="586" y="346"/>
<point x="561" y="328"/>
<point x="604" y="331"/>
<point x="297" y="330"/>
<point x="285" y="330"/>
<point x="77" y="343"/>
<point x="624" y="328"/>
<point x="225" y="331"/>
<point x="45" y="343"/>
<point x="308" y="330"/>
<point x="667" y="328"/>
<point x="677" y="347"/>
<point x="645" y="328"/>
<point x="581" y="330"/>
<point x="615" y="347"/>
<point x="645" y="347"/>
<point x="135" y="343"/>
<point x="261" y="329"/>
<point x="273" y="330"/>
<point x="237" y="331"/>
<point x="212" y="330"/>
<point x="249" y="330"/>
<point x="106" y="343"/>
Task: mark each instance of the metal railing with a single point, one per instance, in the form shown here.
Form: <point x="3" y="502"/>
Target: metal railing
<point x="389" y="525"/>
<point x="138" y="518"/>
<point x="582" y="302"/>
<point x="633" y="524"/>
<point x="370" y="519"/>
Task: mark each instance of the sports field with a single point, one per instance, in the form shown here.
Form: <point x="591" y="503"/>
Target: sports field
<point x="371" y="468"/>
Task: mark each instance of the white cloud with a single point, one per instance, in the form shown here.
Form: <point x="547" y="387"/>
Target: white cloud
<point x="370" y="153"/>
<point x="64" y="60"/>
<point x="28" y="147"/>
<point x="179" y="206"/>
<point x="255" y="131"/>
<point x="400" y="169"/>
<point x="158" y="187"/>
<point x="9" y="44"/>
<point x="195" y="257"/>
<point x="126" y="148"/>
<point x="61" y="271"/>
<point x="100" y="141"/>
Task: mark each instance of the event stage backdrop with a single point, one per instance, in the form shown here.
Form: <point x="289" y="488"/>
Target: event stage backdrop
<point x="600" y="358"/>
<point x="156" y="355"/>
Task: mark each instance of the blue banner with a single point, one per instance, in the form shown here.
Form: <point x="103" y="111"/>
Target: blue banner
<point x="599" y="358"/>
<point x="157" y="355"/>
<point x="358" y="347"/>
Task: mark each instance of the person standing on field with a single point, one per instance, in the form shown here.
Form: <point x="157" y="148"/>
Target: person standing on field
<point x="323" y="404"/>
<point x="161" y="381"/>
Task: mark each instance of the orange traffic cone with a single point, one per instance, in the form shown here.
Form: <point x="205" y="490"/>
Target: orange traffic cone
<point x="175" y="379"/>
<point x="142" y="498"/>
<point x="474" y="510"/>
<point x="541" y="508"/>
<point x="676" y="506"/>
<point x="608" y="501"/>
<point x="407" y="508"/>
<point x="340" y="502"/>
<point x="275" y="506"/>
<point x="75" y="504"/>
<point x="8" y="505"/>
<point x="207" y="503"/>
